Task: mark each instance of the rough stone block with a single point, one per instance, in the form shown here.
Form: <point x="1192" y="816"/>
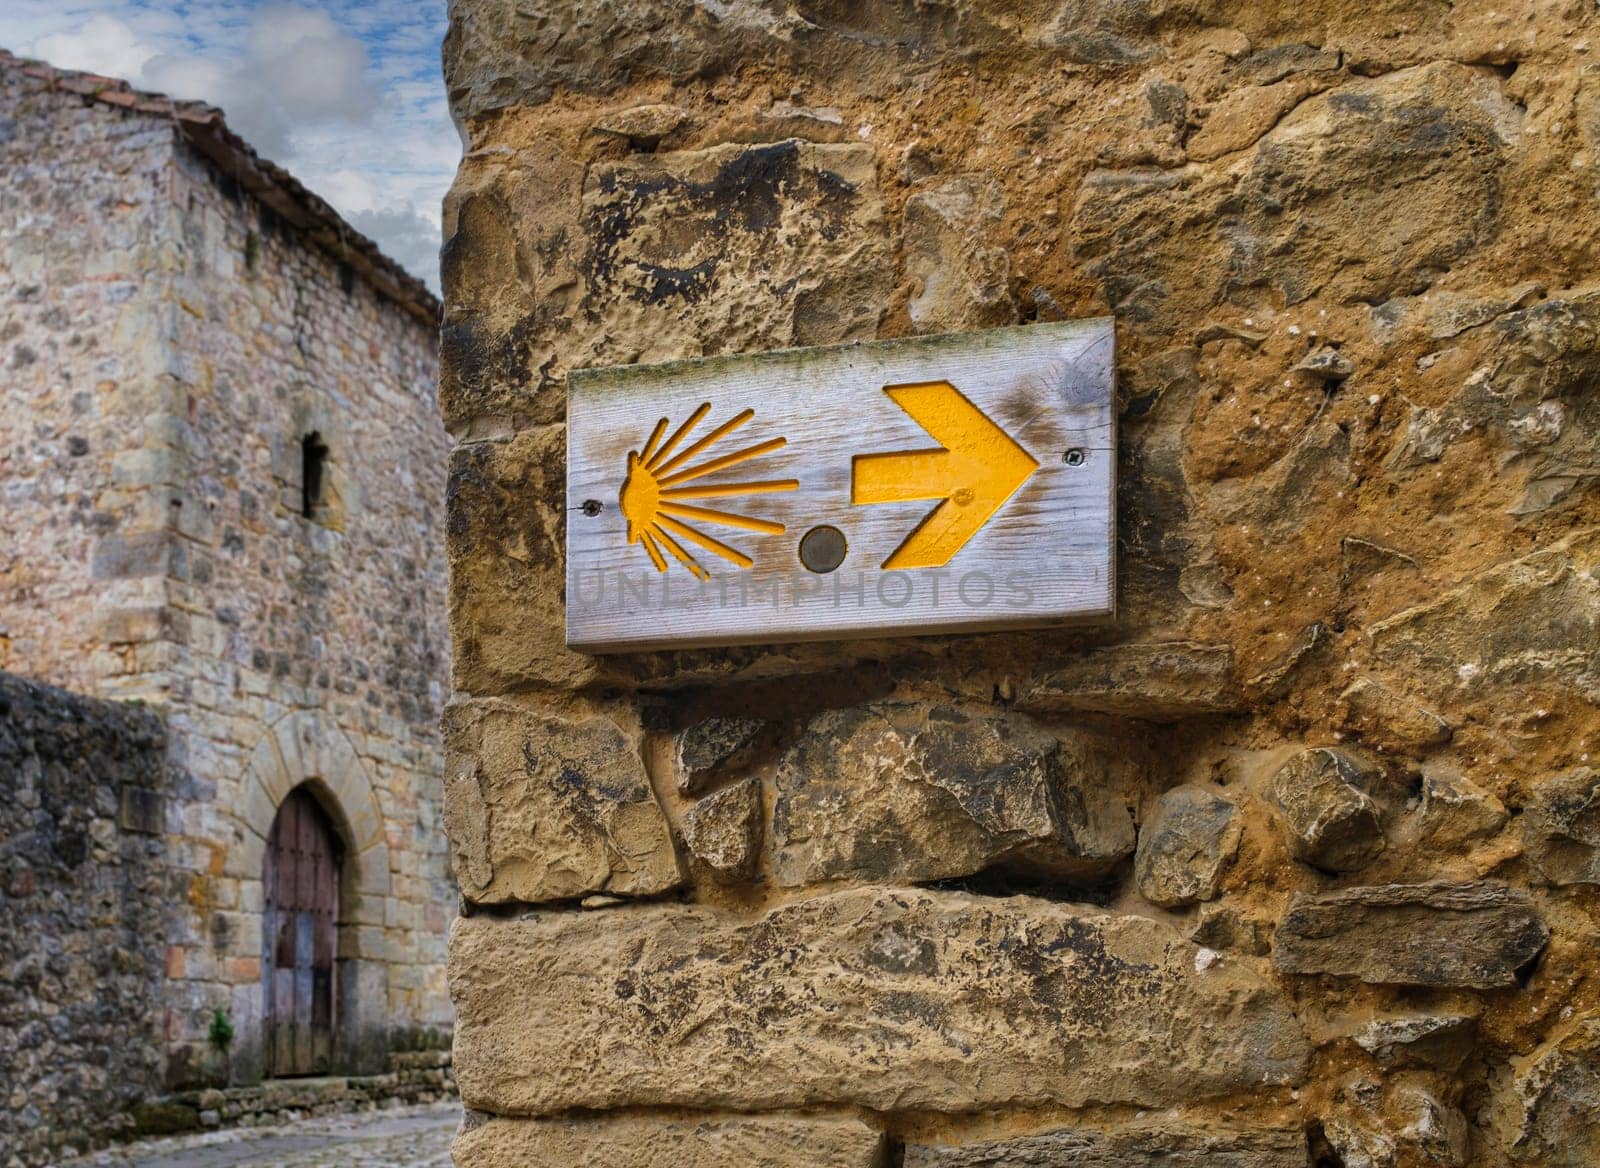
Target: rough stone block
<point x="887" y="999"/>
<point x="1160" y="682"/>
<point x="913" y="792"/>
<point x="1455" y="811"/>
<point x="512" y="283"/>
<point x="549" y="805"/>
<point x="1442" y="129"/>
<point x="963" y="280"/>
<point x="651" y="1141"/>
<point x="1476" y="935"/>
<point x="1385" y="719"/>
<point x="507" y="565"/>
<point x="736" y="248"/>
<point x="558" y="45"/>
<point x="1295" y="221"/>
<point x="1431" y="1040"/>
<point x="1225" y="926"/>
<point x="1331" y="820"/>
<point x="723" y="831"/>
<point x="1530" y="622"/>
<point x="122" y="557"/>
<point x="1134" y="1147"/>
<point x="1547" y="1118"/>
<point x="1527" y="397"/>
<point x="1397" y="1122"/>
<point x="1185" y="846"/>
<point x="713" y="747"/>
<point x="142" y="810"/>
<point x="1561" y="828"/>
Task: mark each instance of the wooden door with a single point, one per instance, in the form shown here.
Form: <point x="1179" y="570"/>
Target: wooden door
<point x="301" y="925"/>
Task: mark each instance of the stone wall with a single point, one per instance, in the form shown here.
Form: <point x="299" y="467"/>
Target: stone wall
<point x="170" y="340"/>
<point x="79" y="346"/>
<point x="303" y="649"/>
<point x="1295" y="862"/>
<point x="84" y="897"/>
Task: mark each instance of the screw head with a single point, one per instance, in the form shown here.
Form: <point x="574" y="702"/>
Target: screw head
<point x="592" y="507"/>
<point x="1075" y="457"/>
<point x="822" y="549"/>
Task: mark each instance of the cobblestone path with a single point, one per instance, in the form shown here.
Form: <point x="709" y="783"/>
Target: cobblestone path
<point x="414" y="1138"/>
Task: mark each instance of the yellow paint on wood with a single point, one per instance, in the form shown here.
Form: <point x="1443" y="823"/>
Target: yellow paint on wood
<point x="653" y="493"/>
<point x="978" y="467"/>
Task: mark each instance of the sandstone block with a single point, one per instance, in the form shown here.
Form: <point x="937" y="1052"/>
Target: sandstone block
<point x="1383" y="718"/>
<point x="520" y="52"/>
<point x="644" y="126"/>
<point x="511" y="282"/>
<point x="1102" y="32"/>
<point x="1528" y="396"/>
<point x="1529" y="622"/>
<point x="1548" y="1116"/>
<point x="723" y="831"/>
<point x="1455" y="811"/>
<point x="1275" y="62"/>
<point x="1441" y="129"/>
<point x="1434" y="1040"/>
<point x="1127" y="232"/>
<point x="714" y="747"/>
<point x="1294" y="219"/>
<point x="1561" y="828"/>
<point x="912" y="792"/>
<point x="506" y="541"/>
<point x="1134" y="1147"/>
<point x="653" y="1141"/>
<point x="549" y="805"/>
<point x="963" y="280"/>
<point x="1224" y="926"/>
<point x="888" y="999"/>
<point x="1185" y="846"/>
<point x="1330" y="819"/>
<point x="1161" y="682"/>
<point x="1244" y="115"/>
<point x="1405" y="1124"/>
<point x="734" y="249"/>
<point x="1475" y="935"/>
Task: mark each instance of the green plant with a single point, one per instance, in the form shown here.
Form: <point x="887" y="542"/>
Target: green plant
<point x="221" y="1033"/>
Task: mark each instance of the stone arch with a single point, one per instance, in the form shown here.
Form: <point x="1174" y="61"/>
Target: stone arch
<point x="307" y="748"/>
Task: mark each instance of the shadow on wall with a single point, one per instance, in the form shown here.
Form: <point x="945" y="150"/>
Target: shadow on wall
<point x="83" y="895"/>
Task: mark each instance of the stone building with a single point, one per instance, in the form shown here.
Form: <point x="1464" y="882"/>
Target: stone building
<point x="222" y="477"/>
<point x="1295" y="861"/>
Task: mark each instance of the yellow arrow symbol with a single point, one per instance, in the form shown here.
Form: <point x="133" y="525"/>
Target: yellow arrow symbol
<point x="978" y="469"/>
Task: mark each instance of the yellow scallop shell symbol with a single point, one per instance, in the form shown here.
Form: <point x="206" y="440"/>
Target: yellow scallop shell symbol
<point x="659" y="482"/>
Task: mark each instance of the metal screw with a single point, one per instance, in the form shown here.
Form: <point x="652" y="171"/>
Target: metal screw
<point x="822" y="549"/>
<point x="592" y="507"/>
<point x="1075" y="457"/>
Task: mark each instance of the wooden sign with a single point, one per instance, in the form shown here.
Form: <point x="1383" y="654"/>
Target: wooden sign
<point x="943" y="484"/>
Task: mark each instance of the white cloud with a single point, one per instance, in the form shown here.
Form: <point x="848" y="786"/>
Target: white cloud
<point x="298" y="70"/>
<point x="409" y="238"/>
<point x="300" y="61"/>
<point x="346" y="94"/>
<point x="104" y="44"/>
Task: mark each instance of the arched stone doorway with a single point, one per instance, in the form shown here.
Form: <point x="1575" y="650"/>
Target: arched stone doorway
<point x="307" y="752"/>
<point x="300" y="925"/>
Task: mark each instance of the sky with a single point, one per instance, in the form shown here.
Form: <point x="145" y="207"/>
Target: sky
<point x="345" y="94"/>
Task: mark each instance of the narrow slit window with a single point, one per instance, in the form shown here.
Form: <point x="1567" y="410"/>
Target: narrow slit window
<point x="313" y="474"/>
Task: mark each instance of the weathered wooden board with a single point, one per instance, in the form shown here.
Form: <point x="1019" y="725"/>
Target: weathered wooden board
<point x="942" y="484"/>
